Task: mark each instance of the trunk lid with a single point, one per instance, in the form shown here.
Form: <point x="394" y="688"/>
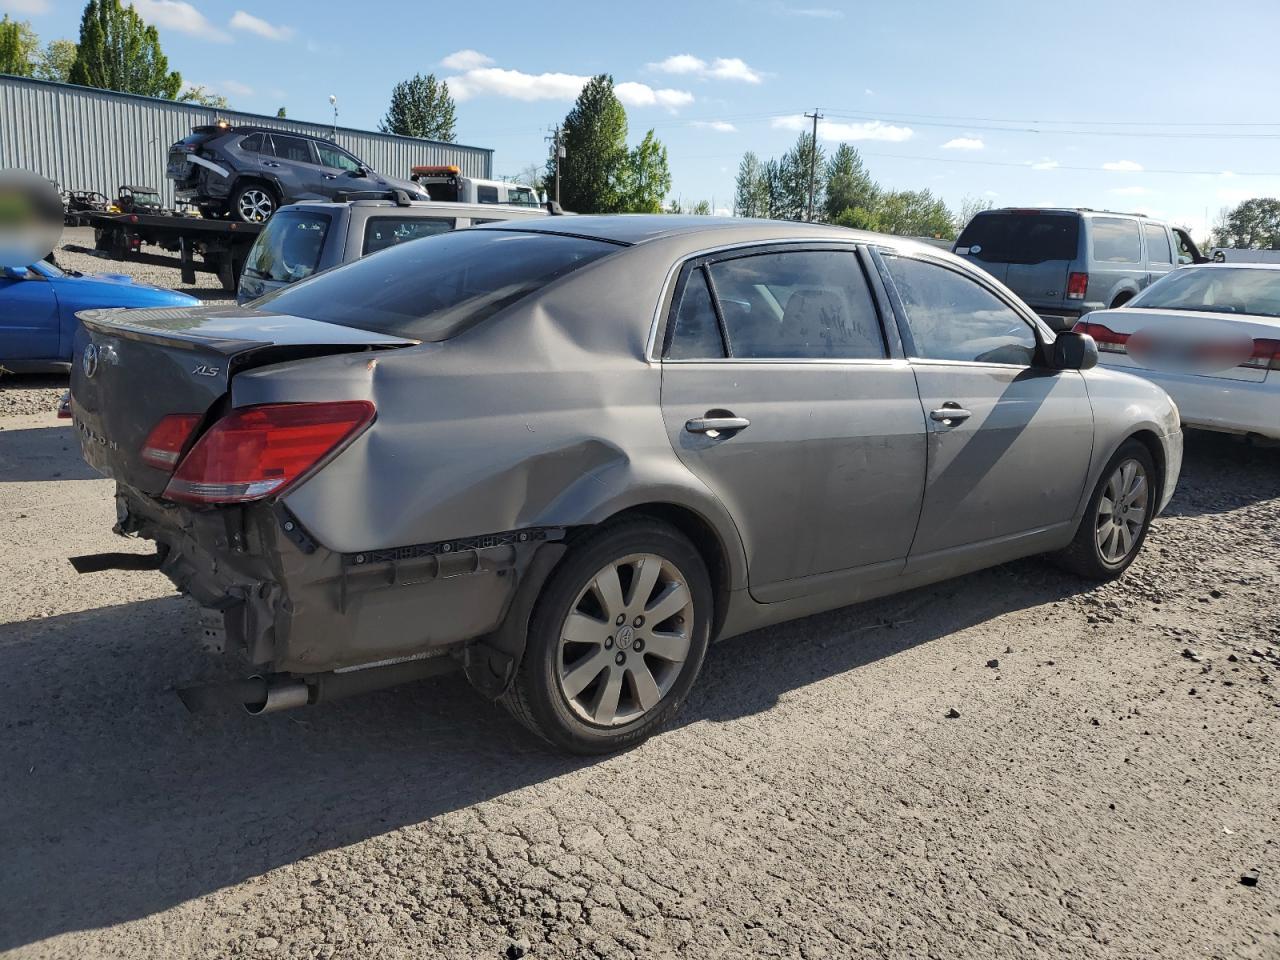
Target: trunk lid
<point x="132" y="368"/>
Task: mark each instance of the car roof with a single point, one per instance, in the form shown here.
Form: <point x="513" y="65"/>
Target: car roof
<point x="1235" y="265"/>
<point x="633" y="228"/>
<point x="423" y="207"/>
<point x="1082" y="211"/>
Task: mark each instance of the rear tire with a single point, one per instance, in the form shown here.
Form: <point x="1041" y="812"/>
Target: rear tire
<point x="605" y="667"/>
<point x="254" y="202"/>
<point x="1116" y="521"/>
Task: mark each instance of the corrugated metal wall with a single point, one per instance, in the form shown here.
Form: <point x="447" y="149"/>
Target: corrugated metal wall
<point x="88" y="139"/>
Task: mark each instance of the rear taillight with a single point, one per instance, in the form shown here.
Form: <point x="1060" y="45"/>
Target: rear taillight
<point x="1108" y="340"/>
<point x="164" y="444"/>
<point x="259" y="451"/>
<point x="1266" y="355"/>
<point x="1077" y="286"/>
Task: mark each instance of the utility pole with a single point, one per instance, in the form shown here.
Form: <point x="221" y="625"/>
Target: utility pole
<point x="813" y="160"/>
<point x="559" y="153"/>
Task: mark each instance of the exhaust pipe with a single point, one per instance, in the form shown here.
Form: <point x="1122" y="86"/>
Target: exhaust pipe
<point x="262" y="695"/>
<point x="284" y="695"/>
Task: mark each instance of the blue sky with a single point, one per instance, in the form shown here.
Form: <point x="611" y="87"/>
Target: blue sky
<point x="1167" y="107"/>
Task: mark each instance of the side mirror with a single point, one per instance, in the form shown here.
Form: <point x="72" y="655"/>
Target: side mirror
<point x="359" y="172"/>
<point x="16" y="273"/>
<point x="1074" y="351"/>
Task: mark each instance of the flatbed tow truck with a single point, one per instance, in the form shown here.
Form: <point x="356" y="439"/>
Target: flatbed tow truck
<point x="221" y="245"/>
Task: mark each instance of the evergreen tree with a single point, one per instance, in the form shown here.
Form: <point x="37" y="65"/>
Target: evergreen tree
<point x="751" y="194"/>
<point x="794" y="179"/>
<point x="849" y="185"/>
<point x="18" y="46"/>
<point x="280" y="114"/>
<point x="596" y="159"/>
<point x="118" y="51"/>
<point x="421" y="107"/>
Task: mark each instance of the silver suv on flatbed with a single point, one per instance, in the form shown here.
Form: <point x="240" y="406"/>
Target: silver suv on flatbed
<point x="307" y="237"/>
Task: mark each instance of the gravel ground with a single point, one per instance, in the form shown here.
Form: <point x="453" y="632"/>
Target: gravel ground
<point x="1111" y="775"/>
<point x="37" y="393"/>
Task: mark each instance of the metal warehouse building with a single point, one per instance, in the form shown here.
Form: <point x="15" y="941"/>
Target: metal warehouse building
<point x="89" y="139"/>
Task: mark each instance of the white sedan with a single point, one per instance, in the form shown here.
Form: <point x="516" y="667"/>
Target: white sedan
<point x="1210" y="336"/>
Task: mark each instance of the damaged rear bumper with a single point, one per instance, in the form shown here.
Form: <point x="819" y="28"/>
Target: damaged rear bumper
<point x="288" y="604"/>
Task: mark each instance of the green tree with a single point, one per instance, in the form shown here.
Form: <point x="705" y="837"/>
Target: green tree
<point x="205" y="97"/>
<point x="18" y="47"/>
<point x="859" y="218"/>
<point x="674" y="206"/>
<point x="55" y="60"/>
<point x="751" y="190"/>
<point x="772" y="177"/>
<point x="1254" y="224"/>
<point x="421" y="107"/>
<point x="596" y="158"/>
<point x="118" y="51"/>
<point x="280" y="114"/>
<point x="915" y="213"/>
<point x="970" y="207"/>
<point x="849" y="185"/>
<point x="794" y="179"/>
<point x="701" y="209"/>
<point x="647" y="178"/>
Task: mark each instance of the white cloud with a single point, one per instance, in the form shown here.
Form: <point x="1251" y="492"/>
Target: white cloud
<point x="719" y="126"/>
<point x="1127" y="166"/>
<point x="178" y="16"/>
<point x="466" y="60"/>
<point x="515" y="84"/>
<point x="236" y="89"/>
<point x="1130" y="191"/>
<point x="871" y="130"/>
<point x="722" y="212"/>
<point x="964" y="143"/>
<point x="990" y="193"/>
<point x="721" y="68"/>
<point x="869" y="92"/>
<point x="1045" y="164"/>
<point x="633" y="94"/>
<point x="518" y="85"/>
<point x="251" y="24"/>
<point x="817" y="13"/>
<point x="25" y="6"/>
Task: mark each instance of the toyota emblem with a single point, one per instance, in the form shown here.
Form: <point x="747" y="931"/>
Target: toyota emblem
<point x="89" y="362"/>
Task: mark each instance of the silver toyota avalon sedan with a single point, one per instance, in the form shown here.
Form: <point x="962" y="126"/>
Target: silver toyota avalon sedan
<point x="564" y="455"/>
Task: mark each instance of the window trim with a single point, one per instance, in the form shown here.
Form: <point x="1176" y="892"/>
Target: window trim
<point x="1168" y="239"/>
<point x="1043" y="335"/>
<point x="664" y="314"/>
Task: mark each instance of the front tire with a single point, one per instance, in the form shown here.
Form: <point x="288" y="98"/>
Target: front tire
<point x="1118" y="516"/>
<point x="616" y="639"/>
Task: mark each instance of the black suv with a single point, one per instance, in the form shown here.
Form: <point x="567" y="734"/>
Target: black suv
<point x="248" y="173"/>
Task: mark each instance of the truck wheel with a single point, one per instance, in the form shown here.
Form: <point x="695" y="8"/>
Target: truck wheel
<point x="1118" y="516"/>
<point x="616" y="639"/>
<point x="253" y="203"/>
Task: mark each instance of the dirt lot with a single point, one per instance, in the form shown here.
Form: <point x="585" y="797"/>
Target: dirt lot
<point x="1100" y="795"/>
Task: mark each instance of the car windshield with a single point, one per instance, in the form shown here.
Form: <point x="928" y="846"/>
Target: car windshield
<point x="1215" y="290"/>
<point x="436" y="287"/>
<point x="1021" y="237"/>
<point x="289" y="248"/>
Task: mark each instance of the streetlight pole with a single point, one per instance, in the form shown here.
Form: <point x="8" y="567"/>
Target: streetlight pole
<point x="813" y="160"/>
<point x="333" y="102"/>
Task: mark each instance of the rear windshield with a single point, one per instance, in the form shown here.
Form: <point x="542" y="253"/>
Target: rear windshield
<point x="436" y="287"/>
<point x="1245" y="290"/>
<point x="1021" y="237"/>
<point x="289" y="247"/>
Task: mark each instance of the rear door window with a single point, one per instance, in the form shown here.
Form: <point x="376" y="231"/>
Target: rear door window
<point x="438" y="287"/>
<point x="294" y="149"/>
<point x="252" y="143"/>
<point x="1010" y="237"/>
<point x="1157" y="243"/>
<point x="798" y="305"/>
<point x="696" y="335"/>
<point x="383" y="232"/>
<point x="486" y="194"/>
<point x="1115" y="240"/>
<point x="289" y="247"/>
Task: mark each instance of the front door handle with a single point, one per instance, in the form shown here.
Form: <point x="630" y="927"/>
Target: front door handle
<point x="717" y="426"/>
<point x="950" y="414"/>
<point x="331" y="176"/>
<point x="270" y="163"/>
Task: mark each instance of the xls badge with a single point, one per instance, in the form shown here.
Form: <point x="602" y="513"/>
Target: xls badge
<point x="204" y="370"/>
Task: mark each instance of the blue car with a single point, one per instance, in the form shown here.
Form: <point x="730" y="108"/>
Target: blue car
<point x="38" y="307"/>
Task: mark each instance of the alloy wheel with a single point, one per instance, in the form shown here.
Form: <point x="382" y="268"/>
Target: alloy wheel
<point x="255" y="206"/>
<point x="625" y="640"/>
<point x="1122" y="510"/>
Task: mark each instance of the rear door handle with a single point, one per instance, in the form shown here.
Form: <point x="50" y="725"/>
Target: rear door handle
<point x="270" y="163"/>
<point x="716" y="426"/>
<point x="950" y="414"/>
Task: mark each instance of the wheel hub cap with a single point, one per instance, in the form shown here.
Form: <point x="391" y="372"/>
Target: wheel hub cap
<point x="625" y="640"/>
<point x="1122" y="511"/>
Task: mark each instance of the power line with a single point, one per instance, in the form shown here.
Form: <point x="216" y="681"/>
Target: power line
<point x="889" y="119"/>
